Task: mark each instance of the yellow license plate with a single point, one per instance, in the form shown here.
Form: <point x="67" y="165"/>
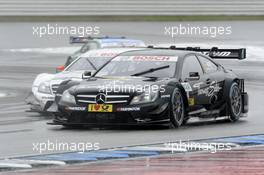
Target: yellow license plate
<point x="100" y="108"/>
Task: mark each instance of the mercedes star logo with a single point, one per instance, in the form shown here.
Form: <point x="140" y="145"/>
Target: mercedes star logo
<point x="100" y="98"/>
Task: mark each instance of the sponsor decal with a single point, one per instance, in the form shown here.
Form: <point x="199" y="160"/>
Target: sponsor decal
<point x="151" y="58"/>
<point x="47" y="98"/>
<point x="187" y="87"/>
<point x="147" y="58"/>
<point x="165" y="96"/>
<point x="211" y="90"/>
<point x="191" y="101"/>
<point x="76" y="108"/>
<point x="100" y="108"/>
<point x="198" y="85"/>
<point x="219" y="54"/>
<point x="104" y="54"/>
<point x="154" y="58"/>
<point x="128" y="109"/>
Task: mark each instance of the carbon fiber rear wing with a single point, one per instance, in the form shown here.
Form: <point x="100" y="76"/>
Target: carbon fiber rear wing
<point x="85" y="39"/>
<point x="214" y="52"/>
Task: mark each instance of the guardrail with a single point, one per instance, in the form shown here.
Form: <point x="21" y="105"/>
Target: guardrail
<point x="129" y="7"/>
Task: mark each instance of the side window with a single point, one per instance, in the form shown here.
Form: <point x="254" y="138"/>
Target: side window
<point x="191" y="64"/>
<point x="207" y="65"/>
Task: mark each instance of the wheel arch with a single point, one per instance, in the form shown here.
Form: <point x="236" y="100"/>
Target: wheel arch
<point x="227" y="85"/>
<point x="185" y="98"/>
<point x="184" y="118"/>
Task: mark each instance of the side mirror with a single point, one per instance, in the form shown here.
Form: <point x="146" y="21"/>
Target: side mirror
<point x="60" y="69"/>
<point x="86" y="74"/>
<point x="194" y="76"/>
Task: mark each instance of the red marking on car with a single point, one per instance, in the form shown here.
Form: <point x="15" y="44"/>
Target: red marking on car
<point x="96" y="107"/>
<point x="151" y="58"/>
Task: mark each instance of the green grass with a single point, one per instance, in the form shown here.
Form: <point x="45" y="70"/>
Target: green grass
<point x="126" y="18"/>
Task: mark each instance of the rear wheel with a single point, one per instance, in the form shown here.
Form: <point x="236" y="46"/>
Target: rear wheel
<point x="234" y="104"/>
<point x="177" y="110"/>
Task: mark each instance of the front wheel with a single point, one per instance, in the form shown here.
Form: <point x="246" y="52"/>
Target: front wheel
<point x="234" y="102"/>
<point x="177" y="108"/>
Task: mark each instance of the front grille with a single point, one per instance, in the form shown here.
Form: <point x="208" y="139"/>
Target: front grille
<point x="54" y="88"/>
<point x="88" y="98"/>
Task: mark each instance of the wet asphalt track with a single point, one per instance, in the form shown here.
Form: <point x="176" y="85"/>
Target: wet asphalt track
<point x="19" y="129"/>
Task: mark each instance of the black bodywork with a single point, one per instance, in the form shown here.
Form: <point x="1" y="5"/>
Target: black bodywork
<point x="205" y="93"/>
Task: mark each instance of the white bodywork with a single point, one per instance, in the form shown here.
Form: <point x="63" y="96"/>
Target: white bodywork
<point x="54" y="80"/>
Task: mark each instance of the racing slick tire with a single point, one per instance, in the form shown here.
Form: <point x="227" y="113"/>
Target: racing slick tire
<point x="177" y="109"/>
<point x="234" y="102"/>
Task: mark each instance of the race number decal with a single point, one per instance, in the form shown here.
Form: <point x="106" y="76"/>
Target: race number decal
<point x="100" y="108"/>
<point x="187" y="87"/>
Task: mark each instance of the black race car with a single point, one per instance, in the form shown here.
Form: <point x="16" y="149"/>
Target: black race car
<point x="155" y="86"/>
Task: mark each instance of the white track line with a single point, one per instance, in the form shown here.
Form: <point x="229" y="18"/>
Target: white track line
<point x="14" y="165"/>
<point x="13" y="111"/>
<point x="43" y="162"/>
<point x="55" y="50"/>
<point x="3" y="95"/>
<point x="12" y="104"/>
<point x="14" y="107"/>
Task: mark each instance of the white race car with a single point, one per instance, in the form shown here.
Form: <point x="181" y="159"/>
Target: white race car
<point x="45" y="85"/>
<point x="92" y="43"/>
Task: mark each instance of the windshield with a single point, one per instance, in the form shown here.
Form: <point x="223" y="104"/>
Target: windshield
<point x="135" y="65"/>
<point x="88" y="63"/>
<point x="89" y="46"/>
<point x="122" y="43"/>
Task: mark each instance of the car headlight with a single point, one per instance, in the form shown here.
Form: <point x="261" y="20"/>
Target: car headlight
<point x="145" y="97"/>
<point x="44" y="87"/>
<point x="68" y="98"/>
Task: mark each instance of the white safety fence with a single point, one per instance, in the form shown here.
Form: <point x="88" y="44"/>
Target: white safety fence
<point x="130" y="7"/>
